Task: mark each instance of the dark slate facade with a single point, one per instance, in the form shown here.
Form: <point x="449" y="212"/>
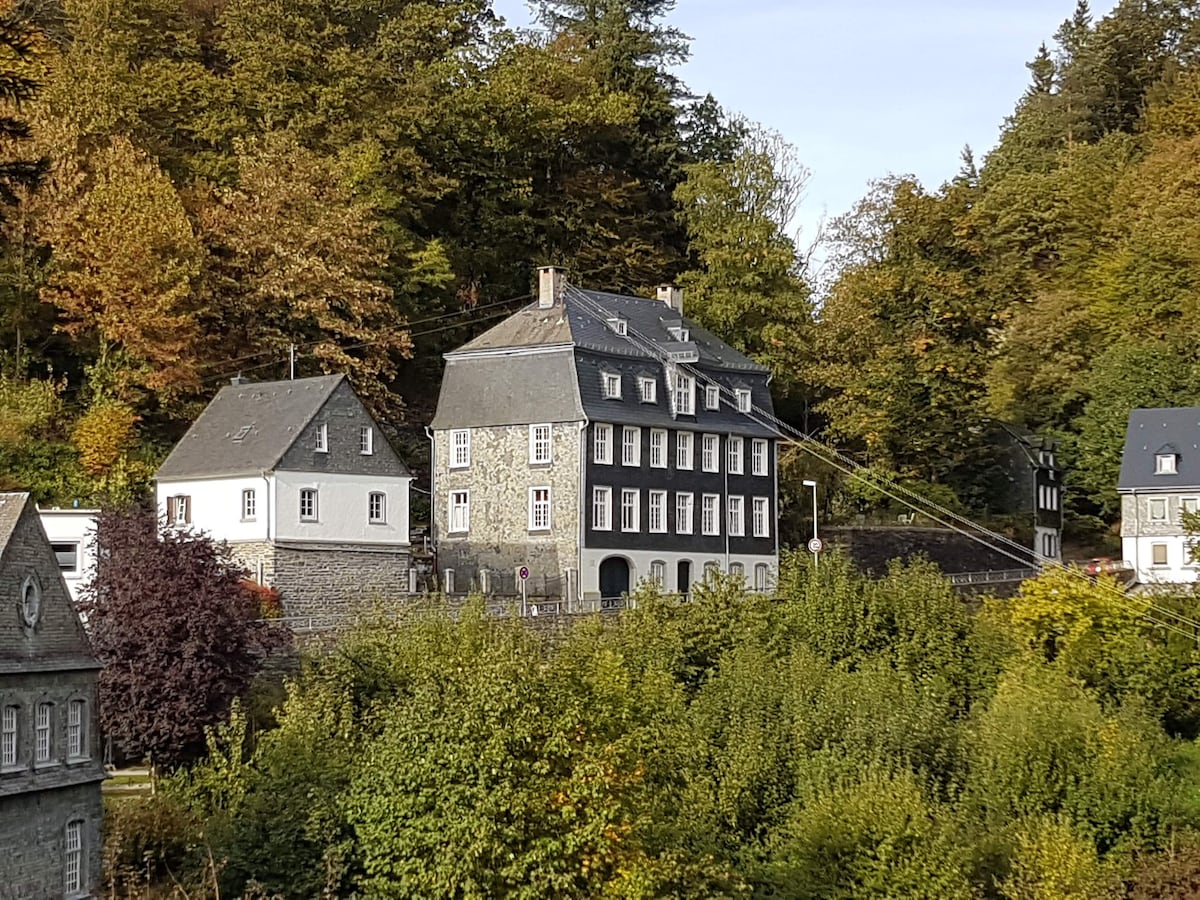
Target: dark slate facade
<point x="50" y="760"/>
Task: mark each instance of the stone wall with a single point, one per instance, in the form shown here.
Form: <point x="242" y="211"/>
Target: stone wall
<point x="32" y="838"/>
<point x="258" y="557"/>
<point x="872" y="548"/>
<point x="499" y="479"/>
<point x="335" y="578"/>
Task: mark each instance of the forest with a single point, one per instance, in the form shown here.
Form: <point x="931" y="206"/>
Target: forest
<point x="191" y="188"/>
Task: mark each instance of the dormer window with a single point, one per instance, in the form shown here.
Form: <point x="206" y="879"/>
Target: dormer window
<point x="1164" y="464"/>
<point x="680" y="333"/>
<point x="611" y="385"/>
<point x="648" y="390"/>
<point x="240" y="434"/>
<point x="619" y="325"/>
<point x="743" y="399"/>
<point x="712" y="396"/>
<point x="322" y="443"/>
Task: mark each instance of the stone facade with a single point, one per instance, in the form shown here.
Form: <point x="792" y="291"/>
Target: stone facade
<point x="328" y="578"/>
<point x="33" y="837"/>
<point x="499" y="479"/>
<point x="258" y="557"/>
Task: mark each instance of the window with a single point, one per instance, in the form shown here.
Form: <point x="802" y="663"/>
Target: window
<point x="658" y="448"/>
<point x="712" y="396"/>
<point x="539" y="509"/>
<point x="683" y="513"/>
<point x="683" y="450"/>
<point x="8" y="736"/>
<point x="42" y="733"/>
<point x="179" y="510"/>
<point x="762" y="575"/>
<point x="1164" y="464"/>
<point x="240" y="434"/>
<point x="758" y="457"/>
<point x="1048" y="496"/>
<point x="539" y="445"/>
<point x="377" y="508"/>
<point x="648" y="390"/>
<point x="658" y="512"/>
<point x="631" y="509"/>
<point x="1188" y="506"/>
<point x="460" y="448"/>
<point x="658" y="573"/>
<point x="459" y="520"/>
<point x="76" y="729"/>
<point x="366" y="440"/>
<point x="737" y="570"/>
<point x="736" y="457"/>
<point x="308" y="504"/>
<point x="610" y="384"/>
<point x="1158" y="509"/>
<point x="680" y="333"/>
<point x="322" y="445"/>
<point x="602" y="444"/>
<point x="249" y="505"/>
<point x="762" y="517"/>
<point x="66" y="553"/>
<point x="712" y="569"/>
<point x="685" y="395"/>
<point x="710" y="448"/>
<point x="1158" y="554"/>
<point x="619" y="325"/>
<point x="743" y="399"/>
<point x="73" y="857"/>
<point x="631" y="446"/>
<point x="737" y="524"/>
<point x="601" y="509"/>
<point x="710" y="514"/>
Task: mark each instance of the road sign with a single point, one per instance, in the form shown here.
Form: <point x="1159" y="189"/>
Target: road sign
<point x="816" y="545"/>
<point x="523" y="572"/>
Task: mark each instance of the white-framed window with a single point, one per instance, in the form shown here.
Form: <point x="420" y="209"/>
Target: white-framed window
<point x="710" y="514"/>
<point x="377" y="508"/>
<point x="736" y="457"/>
<point x="602" y="444"/>
<point x="631" y="446"/>
<point x="77" y="729"/>
<point x="1164" y="464"/>
<point x="762" y="577"/>
<point x="66" y="554"/>
<point x="710" y="453"/>
<point x="249" y="505"/>
<point x="540" y="445"/>
<point x="8" y="736"/>
<point x="308" y="505"/>
<point x="43" y="732"/>
<point x="737" y="570"/>
<point x="758" y="457"/>
<point x="737" y="521"/>
<point x="459" y="518"/>
<point x="658" y="448"/>
<point x="761" y="517"/>
<point x="1158" y="554"/>
<point x="179" y="510"/>
<point x="619" y="325"/>
<point x="602" y="509"/>
<point x="460" y="448"/>
<point x="631" y="509"/>
<point x="648" y="390"/>
<point x="685" y="395"/>
<point x="712" y="396"/>
<point x="366" y="440"/>
<point x="610" y="385"/>
<point x="539" y="509"/>
<point x="1158" y="509"/>
<point x="683" y="450"/>
<point x="712" y="569"/>
<point x="743" y="399"/>
<point x="322" y="444"/>
<point x="73" y="858"/>
<point x="657" y="523"/>
<point x="683" y="513"/>
<point x="1189" y="504"/>
<point x="658" y="573"/>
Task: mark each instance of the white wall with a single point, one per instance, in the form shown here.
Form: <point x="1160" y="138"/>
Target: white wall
<point x="1138" y="551"/>
<point x="341" y="508"/>
<point x="217" y="506"/>
<point x="75" y="526"/>
<point x="639" y="565"/>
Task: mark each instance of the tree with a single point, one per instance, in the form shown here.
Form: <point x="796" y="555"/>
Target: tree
<point x="178" y="632"/>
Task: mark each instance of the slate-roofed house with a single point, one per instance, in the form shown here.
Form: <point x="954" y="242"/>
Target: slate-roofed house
<point x="1033" y="494"/>
<point x="1159" y="482"/>
<point x="603" y="439"/>
<point x="300" y="480"/>
<point x="50" y="763"/>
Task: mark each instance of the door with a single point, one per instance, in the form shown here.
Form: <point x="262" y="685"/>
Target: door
<point x="614" y="577"/>
<point x="683" y="576"/>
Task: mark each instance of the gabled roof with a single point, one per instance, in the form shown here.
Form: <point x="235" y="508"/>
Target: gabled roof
<point x="11" y="506"/>
<point x="1152" y="432"/>
<point x="247" y="428"/>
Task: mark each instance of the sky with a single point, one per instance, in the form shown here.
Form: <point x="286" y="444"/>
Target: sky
<point x="864" y="88"/>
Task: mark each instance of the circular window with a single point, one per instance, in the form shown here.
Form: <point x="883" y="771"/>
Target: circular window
<point x="31" y="600"/>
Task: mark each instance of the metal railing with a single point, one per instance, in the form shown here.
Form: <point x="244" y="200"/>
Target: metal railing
<point x="992" y="576"/>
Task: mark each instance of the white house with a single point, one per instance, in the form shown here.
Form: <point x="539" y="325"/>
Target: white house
<point x="1159" y="482"/>
<point x="72" y="534"/>
<point x="299" y="479"/>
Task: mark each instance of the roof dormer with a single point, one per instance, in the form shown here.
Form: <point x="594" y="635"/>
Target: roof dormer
<point x="1166" y="460"/>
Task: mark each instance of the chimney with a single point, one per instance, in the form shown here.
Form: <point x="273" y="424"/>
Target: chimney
<point x="551" y="281"/>
<point x="237" y="380"/>
<point x="672" y="296"/>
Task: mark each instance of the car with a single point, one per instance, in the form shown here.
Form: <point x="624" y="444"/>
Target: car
<point x="1102" y="565"/>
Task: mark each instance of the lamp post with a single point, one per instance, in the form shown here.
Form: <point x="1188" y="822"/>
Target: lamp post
<point x="815" y="544"/>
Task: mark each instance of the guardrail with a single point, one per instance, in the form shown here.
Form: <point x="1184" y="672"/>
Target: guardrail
<point x="992" y="576"/>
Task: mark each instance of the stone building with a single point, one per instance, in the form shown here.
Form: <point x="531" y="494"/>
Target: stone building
<point x="301" y="482"/>
<point x="50" y="762"/>
<point x="600" y="439"/>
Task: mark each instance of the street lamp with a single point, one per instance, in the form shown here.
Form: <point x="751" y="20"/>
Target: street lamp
<point x="815" y="544"/>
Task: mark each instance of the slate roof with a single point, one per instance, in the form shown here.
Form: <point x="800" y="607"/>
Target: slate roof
<point x="273" y="414"/>
<point x="1149" y="431"/>
<point x="10" y="513"/>
<point x="517" y="390"/>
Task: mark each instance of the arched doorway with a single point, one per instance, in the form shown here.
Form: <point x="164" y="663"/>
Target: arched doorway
<point x="683" y="576"/>
<point x="614" y="577"/>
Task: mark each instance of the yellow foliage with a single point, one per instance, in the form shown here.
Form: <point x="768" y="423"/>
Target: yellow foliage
<point x="1052" y="863"/>
<point x="104" y="434"/>
<point x="26" y="406"/>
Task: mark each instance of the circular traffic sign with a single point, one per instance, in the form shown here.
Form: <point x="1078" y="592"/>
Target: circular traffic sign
<point x="815" y="545"/>
<point x="523" y="572"/>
